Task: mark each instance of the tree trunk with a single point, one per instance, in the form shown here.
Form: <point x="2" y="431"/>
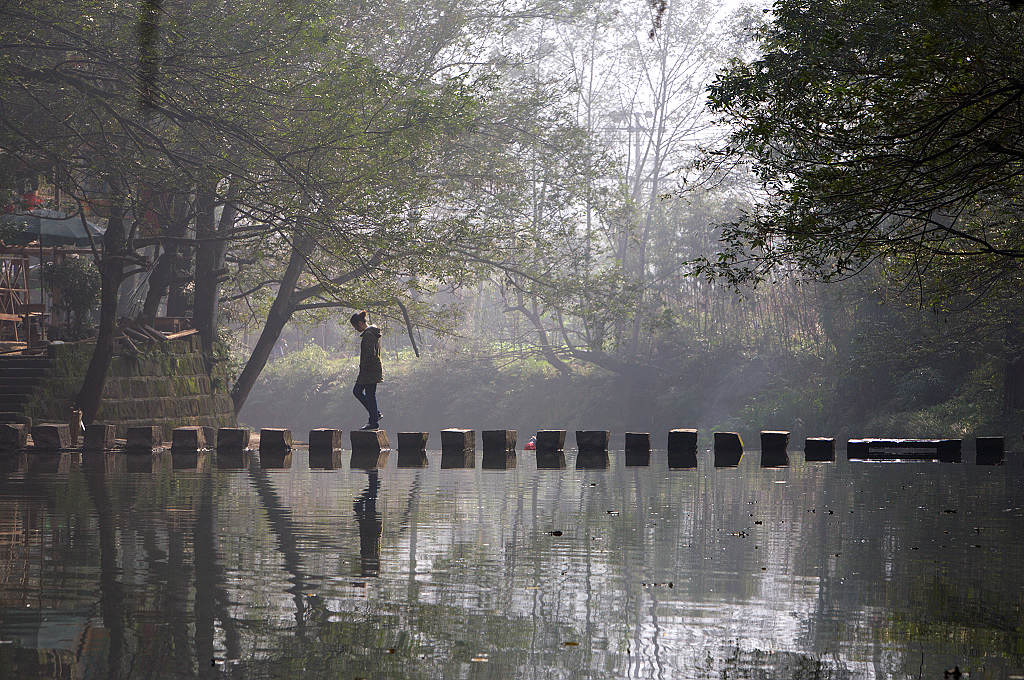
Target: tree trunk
<point x="204" y="302"/>
<point x="111" y="268"/>
<point x="210" y="262"/>
<point x="280" y="313"/>
<point x="165" y="269"/>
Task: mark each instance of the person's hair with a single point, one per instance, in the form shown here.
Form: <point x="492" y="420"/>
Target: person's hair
<point x="358" y="318"/>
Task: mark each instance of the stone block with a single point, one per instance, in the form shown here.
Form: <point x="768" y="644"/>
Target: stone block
<point x="191" y="438"/>
<point x="144" y="438"/>
<point x="989" y="450"/>
<point x="550" y="460"/>
<point x="51" y="436"/>
<point x="209" y="436"/>
<point x="13" y="436"/>
<point x="499" y="460"/>
<point x="455" y="439"/>
<point x="232" y="439"/>
<point x="324" y="440"/>
<point x="550" y="441"/>
<point x="638" y="449"/>
<point x="458" y="448"/>
<point x="412" y="449"/>
<point x="950" y="450"/>
<point x="592" y="460"/>
<point x="774" y="448"/>
<point x="857" y="449"/>
<point x="820" y="449"/>
<point x="682" y="448"/>
<point x="498" y="441"/>
<point x="99" y="436"/>
<point x="499" y="449"/>
<point x="728" y="449"/>
<point x="592" y="441"/>
<point x="369" y="441"/>
<point x="325" y="459"/>
<point x="275" y="440"/>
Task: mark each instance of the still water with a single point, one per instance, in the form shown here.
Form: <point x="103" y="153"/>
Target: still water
<point x="157" y="568"/>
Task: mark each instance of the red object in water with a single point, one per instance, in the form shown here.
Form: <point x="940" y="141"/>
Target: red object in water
<point x="531" y="445"/>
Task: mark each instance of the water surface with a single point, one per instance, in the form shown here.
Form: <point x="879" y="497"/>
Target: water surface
<point x="115" y="567"/>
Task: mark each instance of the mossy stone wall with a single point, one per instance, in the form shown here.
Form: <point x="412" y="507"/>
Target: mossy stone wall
<point x="167" y="385"/>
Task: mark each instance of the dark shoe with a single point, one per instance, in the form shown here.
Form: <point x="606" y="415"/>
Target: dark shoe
<point x="369" y="426"/>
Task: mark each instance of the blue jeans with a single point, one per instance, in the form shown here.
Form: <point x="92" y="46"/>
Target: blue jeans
<point x="366" y="393"/>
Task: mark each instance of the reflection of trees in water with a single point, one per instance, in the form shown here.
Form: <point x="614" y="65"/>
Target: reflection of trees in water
<point x="493" y="581"/>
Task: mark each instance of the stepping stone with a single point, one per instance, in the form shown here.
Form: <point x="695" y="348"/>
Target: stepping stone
<point x="188" y="439"/>
<point x="51" y="436"/>
<point x="638" y="449"/>
<point x="372" y="441"/>
<point x="990" y="450"/>
<point x="324" y="440"/>
<point x="144" y="438"/>
<point x="232" y="439"/>
<point x="550" y="441"/>
<point x="592" y="441"/>
<point x="820" y="449"/>
<point x="370" y="449"/>
<point x="458" y="448"/>
<point x="774" y="448"/>
<point x="901" y="449"/>
<point x="499" y="449"/>
<point x="99" y="437"/>
<point x="498" y="441"/>
<point x="728" y="449"/>
<point x="13" y="436"/>
<point x="325" y="449"/>
<point x="950" y="450"/>
<point x="682" y="448"/>
<point x="275" y="440"/>
<point x="412" y="449"/>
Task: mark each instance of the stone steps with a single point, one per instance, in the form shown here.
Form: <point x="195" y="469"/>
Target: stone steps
<point x="19" y="378"/>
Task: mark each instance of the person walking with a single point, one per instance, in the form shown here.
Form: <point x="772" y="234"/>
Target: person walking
<point x="371" y="371"/>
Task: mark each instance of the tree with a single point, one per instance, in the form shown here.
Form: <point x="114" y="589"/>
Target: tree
<point x="889" y="132"/>
<point x="891" y="129"/>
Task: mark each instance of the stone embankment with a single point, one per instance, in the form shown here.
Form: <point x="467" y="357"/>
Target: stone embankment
<point x="165" y="384"/>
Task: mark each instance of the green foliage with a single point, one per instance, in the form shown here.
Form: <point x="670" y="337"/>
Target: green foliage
<point x="880" y="130"/>
<point x="13" y="235"/>
<point x="78" y="283"/>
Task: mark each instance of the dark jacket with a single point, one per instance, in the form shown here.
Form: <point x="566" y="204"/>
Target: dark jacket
<point x="370" y="368"/>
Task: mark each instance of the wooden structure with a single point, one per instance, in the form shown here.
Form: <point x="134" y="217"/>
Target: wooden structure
<point x="15" y="303"/>
<point x="23" y="322"/>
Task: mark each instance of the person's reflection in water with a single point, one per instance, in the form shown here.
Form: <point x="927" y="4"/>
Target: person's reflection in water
<point x="370" y="527"/>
